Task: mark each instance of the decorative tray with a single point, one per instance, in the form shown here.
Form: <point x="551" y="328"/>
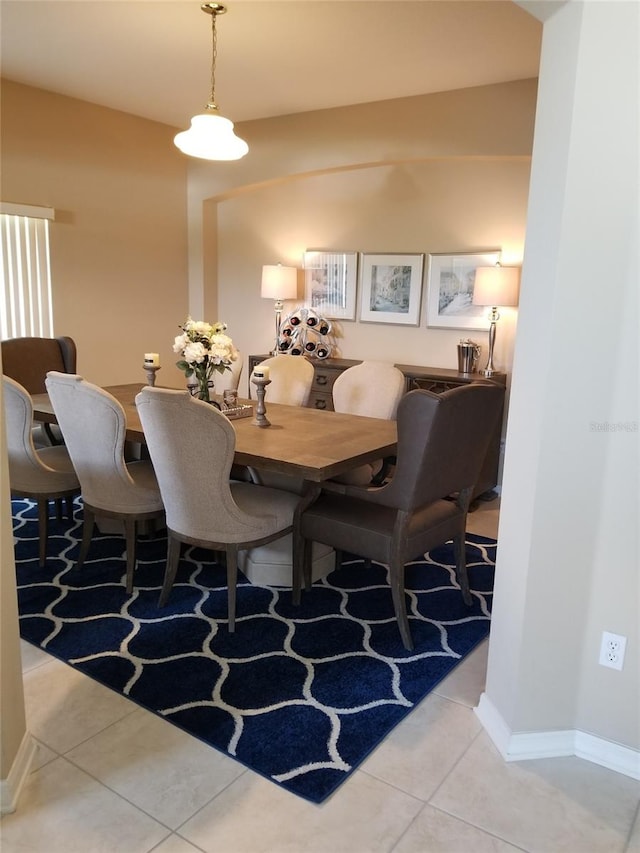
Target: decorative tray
<point x="243" y="411"/>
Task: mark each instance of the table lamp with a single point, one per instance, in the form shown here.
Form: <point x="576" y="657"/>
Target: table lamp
<point x="495" y="286"/>
<point x="279" y="283"/>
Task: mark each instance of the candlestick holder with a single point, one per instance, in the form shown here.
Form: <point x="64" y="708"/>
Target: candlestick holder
<point x="151" y="370"/>
<point x="260" y="419"/>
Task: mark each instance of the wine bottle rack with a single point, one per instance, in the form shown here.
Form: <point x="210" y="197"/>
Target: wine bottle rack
<point x="305" y="332"/>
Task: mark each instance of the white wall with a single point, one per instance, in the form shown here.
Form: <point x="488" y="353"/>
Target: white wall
<point x="568" y="557"/>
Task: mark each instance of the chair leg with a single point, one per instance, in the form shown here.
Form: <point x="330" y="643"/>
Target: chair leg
<point x="43" y="530"/>
<point x="396" y="577"/>
<point x="87" y="534"/>
<point x="173" y="558"/>
<point x="459" y="550"/>
<point x="298" y="564"/>
<point x="130" y="539"/>
<point x="59" y="509"/>
<point x="232" y="581"/>
<point x="69" y="505"/>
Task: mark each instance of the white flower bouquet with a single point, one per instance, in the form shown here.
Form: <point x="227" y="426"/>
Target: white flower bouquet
<point x="205" y="350"/>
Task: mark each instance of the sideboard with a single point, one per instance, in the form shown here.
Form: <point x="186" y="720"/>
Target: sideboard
<point x="436" y="379"/>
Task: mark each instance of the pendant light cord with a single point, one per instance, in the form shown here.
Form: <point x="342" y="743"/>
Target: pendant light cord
<point x="214" y="53"/>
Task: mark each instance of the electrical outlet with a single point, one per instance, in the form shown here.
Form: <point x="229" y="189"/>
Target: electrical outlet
<point x="612" y="650"/>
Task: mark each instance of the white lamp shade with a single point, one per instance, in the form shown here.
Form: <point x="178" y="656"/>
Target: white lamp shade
<point x="279" y="282"/>
<point x="496" y="286"/>
<point x="211" y="137"/>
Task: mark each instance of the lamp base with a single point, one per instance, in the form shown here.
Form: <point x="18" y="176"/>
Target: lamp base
<point x="489" y="372"/>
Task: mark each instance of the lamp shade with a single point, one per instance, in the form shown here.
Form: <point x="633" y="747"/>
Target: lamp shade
<point x="211" y="137"/>
<point x="279" y="282"/>
<point x="496" y="286"/>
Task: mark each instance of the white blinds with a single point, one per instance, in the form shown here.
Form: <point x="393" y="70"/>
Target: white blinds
<point x="26" y="308"/>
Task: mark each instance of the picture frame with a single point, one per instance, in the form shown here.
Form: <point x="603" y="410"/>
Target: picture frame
<point x="450" y="280"/>
<point x="391" y="288"/>
<point x="331" y="279"/>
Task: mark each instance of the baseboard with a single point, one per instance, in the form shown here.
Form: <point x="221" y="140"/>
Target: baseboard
<point x="11" y="786"/>
<point x="524" y="746"/>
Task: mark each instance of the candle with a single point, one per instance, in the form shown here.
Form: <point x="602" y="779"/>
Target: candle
<point x="152" y="359"/>
<point x="261" y="372"/>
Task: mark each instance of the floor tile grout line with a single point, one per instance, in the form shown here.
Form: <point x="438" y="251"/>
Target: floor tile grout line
<point x="67" y="757"/>
<point x="455" y="764"/>
<point x="182" y="838"/>
<point x="214" y="797"/>
<point x="457" y="817"/>
<point x="117" y="794"/>
<point x="636" y="818"/>
<point x="487" y="832"/>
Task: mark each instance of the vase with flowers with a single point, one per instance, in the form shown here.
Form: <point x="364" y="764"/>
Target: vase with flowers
<point x="204" y="349"/>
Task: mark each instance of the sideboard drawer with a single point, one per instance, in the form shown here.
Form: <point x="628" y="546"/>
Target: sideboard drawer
<point x="323" y="378"/>
<point x="318" y="400"/>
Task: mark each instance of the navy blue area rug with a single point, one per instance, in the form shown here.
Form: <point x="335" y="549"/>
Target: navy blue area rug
<point x="300" y="695"/>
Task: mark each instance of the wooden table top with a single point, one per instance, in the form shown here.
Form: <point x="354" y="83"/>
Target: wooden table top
<point x="309" y="443"/>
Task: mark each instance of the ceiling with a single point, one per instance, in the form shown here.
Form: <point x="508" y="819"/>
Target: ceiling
<point x="152" y="58"/>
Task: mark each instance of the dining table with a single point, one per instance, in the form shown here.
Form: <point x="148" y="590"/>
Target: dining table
<point x="310" y="443"/>
<point x="303" y="443"/>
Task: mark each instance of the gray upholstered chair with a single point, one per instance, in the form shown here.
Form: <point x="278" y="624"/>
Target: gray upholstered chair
<point x="442" y="440"/>
<point x="291" y="380"/>
<point x="372" y="389"/>
<point x="27" y="360"/>
<point x="192" y="445"/>
<point x="93" y="424"/>
<point x="43" y="474"/>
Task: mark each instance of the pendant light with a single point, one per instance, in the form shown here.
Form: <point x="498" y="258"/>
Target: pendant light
<point x="211" y="136"/>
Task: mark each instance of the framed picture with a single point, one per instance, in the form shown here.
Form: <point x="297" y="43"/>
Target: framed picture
<point x="450" y="289"/>
<point x="391" y="288"/>
<point x="330" y="283"/>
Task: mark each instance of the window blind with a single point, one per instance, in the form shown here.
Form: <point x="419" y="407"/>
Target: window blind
<point x="26" y="308"/>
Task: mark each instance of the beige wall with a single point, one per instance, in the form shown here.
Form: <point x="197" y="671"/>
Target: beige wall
<point x="119" y="241"/>
<point x="13" y="731"/>
<point x="434" y="173"/>
<point x="419" y="207"/>
<point x="427" y="174"/>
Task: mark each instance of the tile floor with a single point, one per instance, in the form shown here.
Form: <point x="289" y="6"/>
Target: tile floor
<point x="112" y="777"/>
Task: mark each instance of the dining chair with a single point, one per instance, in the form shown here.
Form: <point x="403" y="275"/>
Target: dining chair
<point x="372" y="389"/>
<point x="291" y="380"/>
<point x="93" y="424"/>
<point x="27" y="360"/>
<point x="43" y="474"/>
<point x="442" y="440"/>
<point x="192" y="446"/>
<point x="229" y="380"/>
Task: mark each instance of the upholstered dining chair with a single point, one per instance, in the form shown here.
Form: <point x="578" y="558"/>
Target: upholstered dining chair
<point x="229" y="380"/>
<point x="27" y="360"/>
<point x="93" y="424"/>
<point x="192" y="445"/>
<point x="43" y="474"/>
<point x="291" y="379"/>
<point x="442" y="440"/>
<point x="372" y="389"/>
